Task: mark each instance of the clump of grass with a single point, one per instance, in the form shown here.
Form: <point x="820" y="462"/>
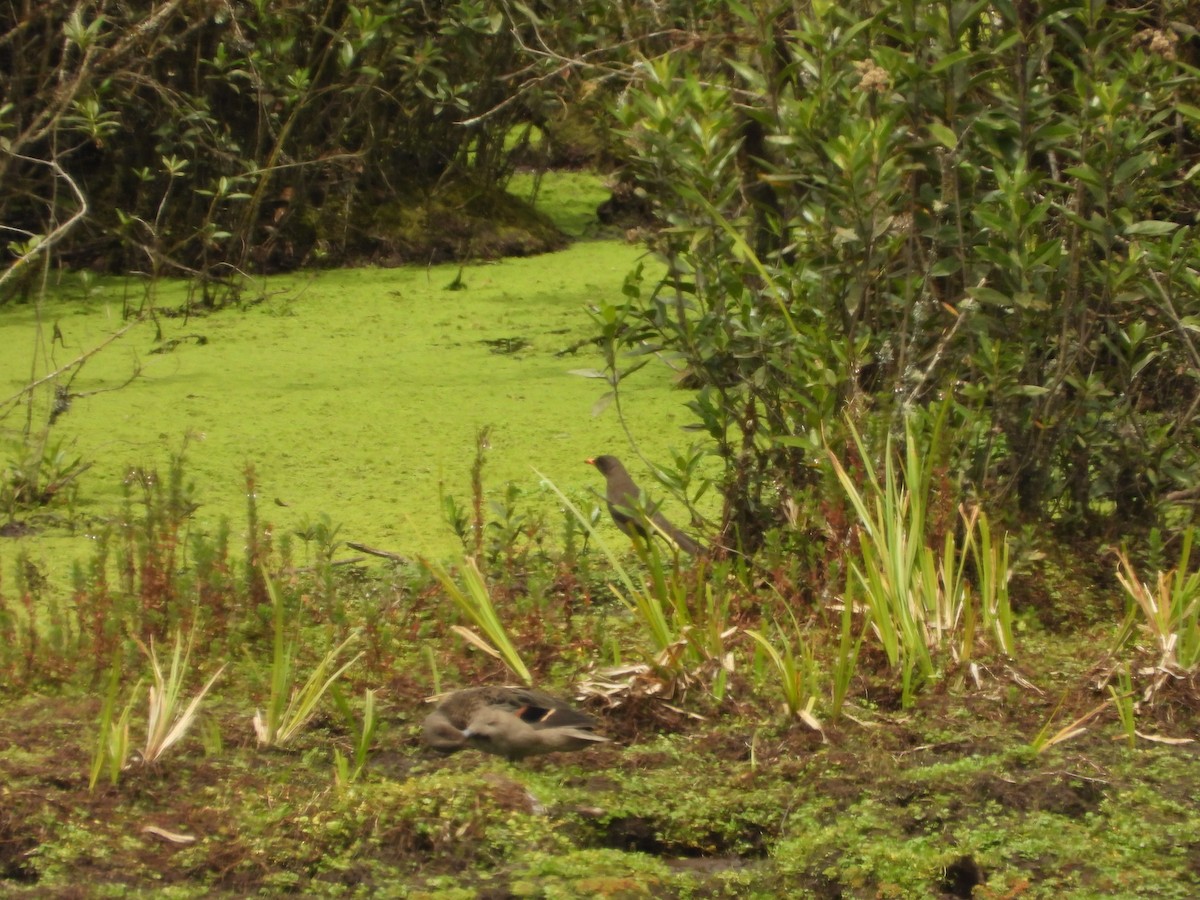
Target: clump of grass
<point x="290" y="708"/>
<point x="919" y="601"/>
<point x="36" y="472"/>
<point x="991" y="558"/>
<point x="165" y="723"/>
<point x="796" y="668"/>
<point x="112" y="737"/>
<point x="475" y="602"/>
<point x="1168" y="612"/>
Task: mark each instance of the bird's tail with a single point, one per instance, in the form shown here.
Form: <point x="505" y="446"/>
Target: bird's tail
<point x="685" y="542"/>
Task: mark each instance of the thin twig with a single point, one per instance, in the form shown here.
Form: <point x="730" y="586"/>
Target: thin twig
<point x="54" y="236"/>
<point x="82" y="358"/>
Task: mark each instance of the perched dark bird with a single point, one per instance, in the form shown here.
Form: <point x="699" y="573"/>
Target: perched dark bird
<point x="508" y="721"/>
<point x="629" y="511"/>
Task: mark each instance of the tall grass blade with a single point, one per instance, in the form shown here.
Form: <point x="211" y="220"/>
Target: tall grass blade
<point x="100" y="756"/>
<point x="476" y="604"/>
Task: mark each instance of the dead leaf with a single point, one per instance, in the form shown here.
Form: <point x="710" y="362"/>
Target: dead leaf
<point x="1162" y="739"/>
<point x="173" y="836"/>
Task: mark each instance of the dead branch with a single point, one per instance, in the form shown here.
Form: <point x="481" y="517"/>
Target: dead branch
<point x="374" y="551"/>
<point x="78" y="361"/>
<point x="58" y="233"/>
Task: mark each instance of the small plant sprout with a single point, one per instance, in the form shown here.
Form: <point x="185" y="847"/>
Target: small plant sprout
<point x="1044" y="740"/>
<point x="1122" y="697"/>
<point x="165" y="723"/>
<point x="112" y="738"/>
<point x="118" y="746"/>
<point x="290" y="708"/>
<point x="796" y="675"/>
<point x="435" y="675"/>
<point x="344" y="772"/>
<point x="1169" y="613"/>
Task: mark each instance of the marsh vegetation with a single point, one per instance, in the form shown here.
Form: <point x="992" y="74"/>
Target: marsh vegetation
<point x="892" y="305"/>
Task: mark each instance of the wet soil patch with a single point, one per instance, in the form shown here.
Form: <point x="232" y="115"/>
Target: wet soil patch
<point x="962" y="877"/>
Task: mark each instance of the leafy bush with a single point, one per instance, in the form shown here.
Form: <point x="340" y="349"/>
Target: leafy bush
<point x="267" y="134"/>
<point x="873" y="206"/>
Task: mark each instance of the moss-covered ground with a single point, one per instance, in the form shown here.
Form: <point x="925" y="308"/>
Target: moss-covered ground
<point x="938" y="801"/>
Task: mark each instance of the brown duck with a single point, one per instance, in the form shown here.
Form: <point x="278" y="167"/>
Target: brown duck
<point x="508" y="721"/>
<point x="628" y="510"/>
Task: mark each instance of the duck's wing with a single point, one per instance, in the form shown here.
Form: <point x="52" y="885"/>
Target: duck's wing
<point x="544" y="711"/>
<point x="533" y="707"/>
<point x="496" y="731"/>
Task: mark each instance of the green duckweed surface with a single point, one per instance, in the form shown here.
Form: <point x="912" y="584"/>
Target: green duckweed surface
<point x="356" y="394"/>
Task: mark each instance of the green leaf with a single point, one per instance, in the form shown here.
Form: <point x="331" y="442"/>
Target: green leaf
<point x="1150" y="227"/>
<point x="527" y="12"/>
<point x="990" y="296"/>
<point x="950" y="60"/>
<point x="1132" y="167"/>
<point x="753" y="78"/>
<point x="1086" y="174"/>
<point x="1033" y="390"/>
<point x="1191" y="323"/>
<point x="943" y="135"/>
<point x="944" y="267"/>
<point x="742" y="12"/>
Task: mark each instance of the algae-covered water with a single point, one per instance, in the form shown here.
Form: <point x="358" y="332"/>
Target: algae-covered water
<point x="356" y="394"/>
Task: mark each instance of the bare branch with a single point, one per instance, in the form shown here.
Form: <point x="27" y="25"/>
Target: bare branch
<point x="58" y="233"/>
<point x="78" y="361"/>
